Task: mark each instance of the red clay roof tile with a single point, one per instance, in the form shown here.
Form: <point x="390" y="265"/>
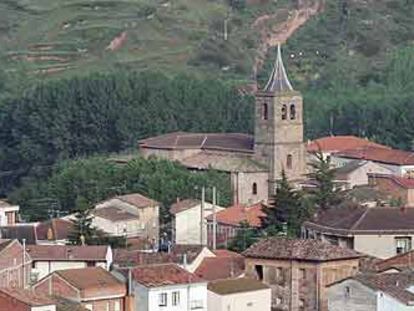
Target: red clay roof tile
<point x="340" y="143"/>
<point x="234" y="215"/>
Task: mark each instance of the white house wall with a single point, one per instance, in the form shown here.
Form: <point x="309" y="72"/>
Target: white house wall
<point x="148" y="299"/>
<point x="387" y="303"/>
<point x="187" y="224"/>
<point x="247" y="301"/>
<point x="44" y="308"/>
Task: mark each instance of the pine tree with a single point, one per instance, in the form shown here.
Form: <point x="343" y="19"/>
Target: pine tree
<point x="82" y="232"/>
<point x="245" y="237"/>
<point x="325" y="196"/>
<point x="282" y="217"/>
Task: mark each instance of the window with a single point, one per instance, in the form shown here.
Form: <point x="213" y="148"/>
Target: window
<point x="162" y="300"/>
<point x="176" y="298"/>
<point x="289" y="160"/>
<point x="254" y="188"/>
<point x="302" y="274"/>
<point x="347" y="292"/>
<point x="284" y="112"/>
<point x="265" y="112"/>
<point x="259" y="272"/>
<point x="402" y="244"/>
<point x="250" y="304"/>
<point x="117" y="306"/>
<point x="292" y="112"/>
<point x="89" y="307"/>
<point x="279" y="300"/>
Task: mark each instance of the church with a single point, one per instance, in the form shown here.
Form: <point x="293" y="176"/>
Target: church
<point x="255" y="163"/>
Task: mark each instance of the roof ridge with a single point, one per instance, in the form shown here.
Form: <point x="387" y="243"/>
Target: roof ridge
<point x="359" y="220"/>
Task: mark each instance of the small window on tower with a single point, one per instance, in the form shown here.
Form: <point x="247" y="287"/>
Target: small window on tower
<point x="265" y="112"/>
<point x="254" y="188"/>
<point x="292" y="112"/>
<point x="289" y="161"/>
<point x="284" y="112"/>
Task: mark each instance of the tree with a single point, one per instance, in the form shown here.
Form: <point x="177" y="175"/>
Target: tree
<point x="245" y="237"/>
<point x="325" y="196"/>
<point x="282" y="216"/>
<point x="82" y="232"/>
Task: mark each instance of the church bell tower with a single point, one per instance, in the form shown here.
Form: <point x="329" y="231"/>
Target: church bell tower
<point x="279" y="127"/>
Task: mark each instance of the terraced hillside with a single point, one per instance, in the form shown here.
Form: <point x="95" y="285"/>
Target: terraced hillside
<point x="55" y="36"/>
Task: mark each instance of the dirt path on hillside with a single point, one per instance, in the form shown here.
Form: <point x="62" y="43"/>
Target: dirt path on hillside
<point x="271" y="36"/>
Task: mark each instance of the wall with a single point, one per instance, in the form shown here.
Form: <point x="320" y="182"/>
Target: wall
<point x="247" y="301"/>
<point x="148" y="299"/>
<point x="381" y="246"/>
<point x="9" y="303"/>
<point x="55" y="285"/>
<point x="388" y="303"/>
<point x="242" y="187"/>
<point x="360" y="175"/>
<point x="12" y="269"/>
<point x="361" y="298"/>
<point x="293" y="286"/>
<point x="43" y="268"/>
<point x="187" y="224"/>
<point x="146" y="225"/>
<point x="12" y="211"/>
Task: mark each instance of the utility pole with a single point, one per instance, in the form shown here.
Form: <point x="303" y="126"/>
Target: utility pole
<point x="214" y="219"/>
<point x="203" y="198"/>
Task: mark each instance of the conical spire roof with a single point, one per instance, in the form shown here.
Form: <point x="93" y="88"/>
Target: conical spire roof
<point x="278" y="81"/>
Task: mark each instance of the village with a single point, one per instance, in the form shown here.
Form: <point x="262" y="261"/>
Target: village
<point x="349" y="257"/>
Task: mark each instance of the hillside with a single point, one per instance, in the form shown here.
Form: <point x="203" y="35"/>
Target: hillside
<point x="79" y="36"/>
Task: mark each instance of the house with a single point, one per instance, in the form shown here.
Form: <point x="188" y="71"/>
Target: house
<point x="239" y="295"/>
<point x="356" y="173"/>
<point x="53" y="232"/>
<point x="396" y="187"/>
<point x="253" y="163"/>
<point x="166" y="287"/>
<point x="400" y="262"/>
<point x="229" y="222"/>
<point x="378" y="231"/>
<point x="224" y="265"/>
<point x="400" y="162"/>
<point x="50" y="258"/>
<point x="50" y="232"/>
<point x="187" y="221"/>
<point x="8" y="213"/>
<point x="15" y="264"/>
<point x="25" y="300"/>
<point x="298" y="271"/>
<point x="131" y="215"/>
<point x="94" y="287"/>
<point x="373" y="292"/>
<point x="330" y="145"/>
<point x="189" y="257"/>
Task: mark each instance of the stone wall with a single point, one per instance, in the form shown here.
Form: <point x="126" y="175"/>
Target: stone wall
<point x="299" y="285"/>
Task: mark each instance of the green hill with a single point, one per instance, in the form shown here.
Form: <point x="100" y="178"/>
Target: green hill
<point x="74" y="36"/>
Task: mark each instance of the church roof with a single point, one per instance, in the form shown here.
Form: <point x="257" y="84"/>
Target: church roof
<point x="278" y="81"/>
<point x="237" y="142"/>
<point x="226" y="162"/>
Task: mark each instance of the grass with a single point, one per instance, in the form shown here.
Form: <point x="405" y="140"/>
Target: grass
<point x="160" y="34"/>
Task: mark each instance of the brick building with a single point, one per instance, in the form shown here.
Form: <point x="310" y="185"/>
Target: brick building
<point x="298" y="271"/>
<point x="49" y="258"/>
<point x="396" y="187"/>
<point x="95" y="288"/>
<point x="25" y="300"/>
<point x="15" y="264"/>
<point x="254" y="163"/>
